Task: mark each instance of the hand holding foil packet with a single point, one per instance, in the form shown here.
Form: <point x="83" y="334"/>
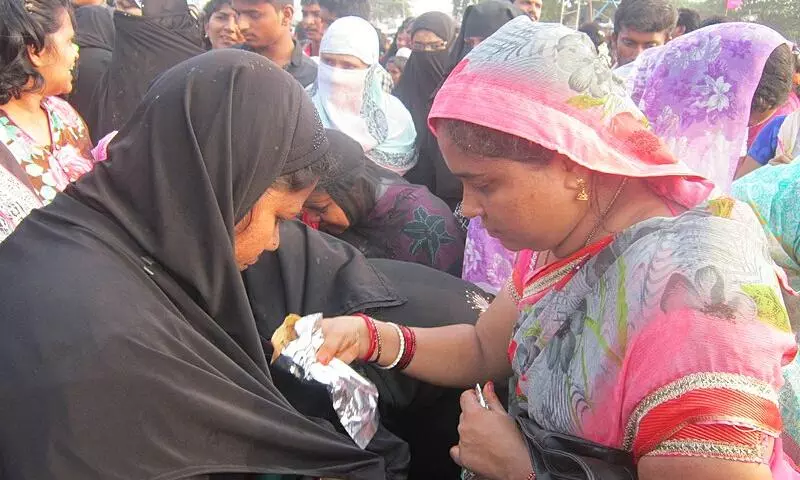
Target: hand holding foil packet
<point x="354" y="398"/>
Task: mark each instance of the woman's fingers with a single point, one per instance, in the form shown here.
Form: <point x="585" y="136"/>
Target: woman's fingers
<point x="492" y="399"/>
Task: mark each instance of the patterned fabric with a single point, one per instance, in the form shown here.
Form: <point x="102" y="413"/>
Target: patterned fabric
<point x="697" y="91"/>
<point x="356" y="102"/>
<point x="49" y="169"/>
<point x="526" y="72"/>
<point x="765" y="146"/>
<point x="773" y="192"/>
<point x="487" y="263"/>
<point x="408" y="223"/>
<point x="667" y="339"/>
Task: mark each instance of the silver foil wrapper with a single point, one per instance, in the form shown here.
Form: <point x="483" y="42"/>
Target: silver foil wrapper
<point x="355" y="399"/>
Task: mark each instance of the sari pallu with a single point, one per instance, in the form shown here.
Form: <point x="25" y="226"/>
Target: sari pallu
<point x="595" y="329"/>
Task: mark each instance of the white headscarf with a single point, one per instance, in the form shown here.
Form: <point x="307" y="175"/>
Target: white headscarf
<point x="355" y="102"/>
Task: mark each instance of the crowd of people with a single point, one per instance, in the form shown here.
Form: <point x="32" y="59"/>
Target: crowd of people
<point x="598" y="227"/>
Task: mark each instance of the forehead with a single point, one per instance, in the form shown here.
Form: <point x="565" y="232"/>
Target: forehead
<point x="224" y="9"/>
<point x="642" y="37"/>
<point x="66" y="29"/>
<point x="252" y="6"/>
<point x="313" y="8"/>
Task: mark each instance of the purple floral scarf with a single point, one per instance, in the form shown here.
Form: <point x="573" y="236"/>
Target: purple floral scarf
<point x="697" y="91"/>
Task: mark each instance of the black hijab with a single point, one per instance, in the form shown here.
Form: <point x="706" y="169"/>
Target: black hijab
<point x="426" y="70"/>
<point x="94" y="27"/>
<point x="165" y="35"/>
<point x="355" y="181"/>
<point x="94" y="34"/>
<point x="482" y="20"/>
<point x="131" y="350"/>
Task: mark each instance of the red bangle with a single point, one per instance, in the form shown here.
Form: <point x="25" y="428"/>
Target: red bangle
<point x="411" y="348"/>
<point x="374" y="339"/>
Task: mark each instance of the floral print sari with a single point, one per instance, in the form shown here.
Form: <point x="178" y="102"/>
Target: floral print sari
<point x="665" y="339"/>
<point x="44" y="170"/>
<point x="668" y="339"/>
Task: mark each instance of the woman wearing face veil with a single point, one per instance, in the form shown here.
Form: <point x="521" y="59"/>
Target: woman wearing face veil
<point x="131" y="349"/>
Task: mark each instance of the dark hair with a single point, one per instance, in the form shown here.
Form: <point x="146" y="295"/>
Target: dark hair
<point x="714" y="20"/>
<point x="482" y="141"/>
<point x="25" y="24"/>
<point x="646" y="16"/>
<point x="305" y="3"/>
<point x="776" y="80"/>
<point x="592" y="29"/>
<point x="212" y="7"/>
<point x="688" y="19"/>
<point x="307" y="176"/>
<point x="347" y="8"/>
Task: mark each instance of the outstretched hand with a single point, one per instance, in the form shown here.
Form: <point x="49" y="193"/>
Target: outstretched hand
<point x="346" y="338"/>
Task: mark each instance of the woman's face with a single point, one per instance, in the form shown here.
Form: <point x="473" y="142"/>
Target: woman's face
<point x="404" y="38"/>
<point x="222" y="30"/>
<point x="258" y="231"/>
<point x="57" y="60"/>
<point x="344" y="62"/>
<point x="395" y="71"/>
<point x="321" y="209"/>
<point x="427" y="41"/>
<point x="524" y="205"/>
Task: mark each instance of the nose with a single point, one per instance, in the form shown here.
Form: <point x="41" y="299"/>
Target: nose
<point x="469" y="207"/>
<point x="231" y="26"/>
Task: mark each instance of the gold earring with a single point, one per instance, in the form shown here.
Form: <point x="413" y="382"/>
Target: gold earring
<point x="583" y="194"/>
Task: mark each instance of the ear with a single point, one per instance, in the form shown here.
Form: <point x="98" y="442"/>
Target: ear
<point x="574" y="173"/>
<point x="37" y="59"/>
<point x="288" y="15"/>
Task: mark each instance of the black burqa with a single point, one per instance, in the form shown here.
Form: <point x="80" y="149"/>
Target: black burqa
<point x="481" y="21"/>
<point x="425" y="71"/>
<point x="314" y="272"/>
<point x="130" y="348"/>
<point x="165" y="35"/>
<point x="94" y="35"/>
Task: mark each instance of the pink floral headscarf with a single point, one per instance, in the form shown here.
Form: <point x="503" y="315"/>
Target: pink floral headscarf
<point x="545" y="83"/>
<point x="697" y="91"/>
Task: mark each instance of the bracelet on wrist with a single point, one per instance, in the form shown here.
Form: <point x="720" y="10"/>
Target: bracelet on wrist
<point x="410" y="340"/>
<point x="374" y="337"/>
<point x="401" y="351"/>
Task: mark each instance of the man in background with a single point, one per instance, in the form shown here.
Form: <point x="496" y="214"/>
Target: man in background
<point x="313" y="26"/>
<point x="267" y="29"/>
<point x="533" y="8"/>
<point x="688" y="21"/>
<point x="331" y="10"/>
<point x="639" y="25"/>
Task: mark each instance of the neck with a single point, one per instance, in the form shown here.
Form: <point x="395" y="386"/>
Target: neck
<point x="635" y="203"/>
<point x="29" y="104"/>
<point x="279" y="52"/>
<point x="315" y="49"/>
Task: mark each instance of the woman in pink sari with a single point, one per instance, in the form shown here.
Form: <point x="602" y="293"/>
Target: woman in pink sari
<point x="655" y="325"/>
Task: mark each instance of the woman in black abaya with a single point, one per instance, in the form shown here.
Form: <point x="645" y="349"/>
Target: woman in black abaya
<point x="94" y="35"/>
<point x="130" y="350"/>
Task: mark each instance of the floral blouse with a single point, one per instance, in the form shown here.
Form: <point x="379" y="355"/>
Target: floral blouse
<point x="44" y="170"/>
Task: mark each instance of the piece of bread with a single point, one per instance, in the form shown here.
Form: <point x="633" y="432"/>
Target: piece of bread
<point x="284" y="335"/>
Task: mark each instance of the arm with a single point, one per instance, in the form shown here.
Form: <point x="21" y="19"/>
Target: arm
<point x="749" y="165"/>
<point x="456" y="356"/>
